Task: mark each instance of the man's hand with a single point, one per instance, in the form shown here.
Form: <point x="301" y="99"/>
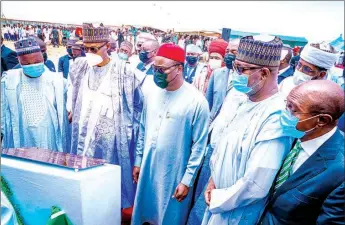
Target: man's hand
<point x="181" y="192"/>
<point x="207" y="193"/>
<point x="70" y="117"/>
<point x="136" y="172"/>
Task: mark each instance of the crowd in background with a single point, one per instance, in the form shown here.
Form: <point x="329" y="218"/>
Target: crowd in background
<point x="206" y="130"/>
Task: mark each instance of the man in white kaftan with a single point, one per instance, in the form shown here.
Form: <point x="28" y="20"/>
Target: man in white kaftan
<point x="317" y="60"/>
<point x="33" y="103"/>
<point x="106" y="107"/>
<point x="250" y="145"/>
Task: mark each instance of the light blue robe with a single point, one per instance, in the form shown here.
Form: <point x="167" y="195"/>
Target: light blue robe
<point x="114" y="137"/>
<point x="248" y="152"/>
<point x="171" y="146"/>
<point x="217" y="90"/>
<point x="33" y="111"/>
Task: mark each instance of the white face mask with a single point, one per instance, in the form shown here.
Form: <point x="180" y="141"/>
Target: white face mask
<point x="93" y="59"/>
<point x="299" y="77"/>
<point x="215" y="63"/>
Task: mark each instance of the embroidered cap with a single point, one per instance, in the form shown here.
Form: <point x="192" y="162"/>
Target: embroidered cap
<point x="95" y="34"/>
<point x="262" y="50"/>
<point x="27" y="46"/>
<point x="71" y="42"/>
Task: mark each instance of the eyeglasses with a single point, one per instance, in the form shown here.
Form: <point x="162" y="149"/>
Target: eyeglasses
<point x="162" y="69"/>
<point x="240" y="69"/>
<point x="93" y="49"/>
<point x="148" y="52"/>
<point x="305" y="69"/>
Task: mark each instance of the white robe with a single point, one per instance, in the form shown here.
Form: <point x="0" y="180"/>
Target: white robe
<point x="248" y="151"/>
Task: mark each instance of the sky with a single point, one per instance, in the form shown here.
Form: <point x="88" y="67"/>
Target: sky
<point x="315" y="20"/>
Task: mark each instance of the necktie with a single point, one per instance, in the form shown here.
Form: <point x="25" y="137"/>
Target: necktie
<point x="286" y="170"/>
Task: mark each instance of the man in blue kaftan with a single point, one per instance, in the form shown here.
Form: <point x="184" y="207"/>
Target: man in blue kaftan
<point x="33" y="103"/>
<point x="171" y="144"/>
<point x="219" y="89"/>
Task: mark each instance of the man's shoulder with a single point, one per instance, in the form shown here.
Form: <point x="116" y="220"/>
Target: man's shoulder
<point x="287" y="85"/>
<point x="220" y="71"/>
<point x="5" y="51"/>
<point x="63" y="57"/>
<point x="195" y="94"/>
<point x="10" y="78"/>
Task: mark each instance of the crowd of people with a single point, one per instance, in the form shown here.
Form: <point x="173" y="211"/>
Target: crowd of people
<point x="250" y="134"/>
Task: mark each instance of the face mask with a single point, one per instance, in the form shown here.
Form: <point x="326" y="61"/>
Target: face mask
<point x="299" y="77"/>
<point x="215" y="63"/>
<point x="143" y="56"/>
<point x="191" y="60"/>
<point x="289" y="123"/>
<point x="160" y="79"/>
<point x="240" y="83"/>
<point x="45" y="56"/>
<point x="33" y="70"/>
<point x="69" y="51"/>
<point x="123" y="56"/>
<point x="228" y="59"/>
<point x="93" y="59"/>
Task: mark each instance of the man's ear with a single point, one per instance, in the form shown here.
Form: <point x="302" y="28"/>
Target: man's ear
<point x="325" y="119"/>
<point x="323" y="74"/>
<point x="265" y="72"/>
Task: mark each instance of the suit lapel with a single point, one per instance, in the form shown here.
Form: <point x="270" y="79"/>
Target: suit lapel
<point x="314" y="165"/>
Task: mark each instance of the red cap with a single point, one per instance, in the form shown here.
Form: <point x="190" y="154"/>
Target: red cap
<point x="218" y="46"/>
<point x="296" y="49"/>
<point x="172" y="51"/>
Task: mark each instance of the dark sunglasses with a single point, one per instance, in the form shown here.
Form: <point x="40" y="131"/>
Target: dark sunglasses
<point x="93" y="49"/>
<point x="161" y="69"/>
<point x="305" y="69"/>
<point x="240" y="69"/>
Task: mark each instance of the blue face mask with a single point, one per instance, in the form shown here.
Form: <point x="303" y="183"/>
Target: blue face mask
<point x="241" y="83"/>
<point x="191" y="60"/>
<point x="143" y="56"/>
<point x="33" y="70"/>
<point x="123" y="56"/>
<point x="289" y="123"/>
<point x="228" y="59"/>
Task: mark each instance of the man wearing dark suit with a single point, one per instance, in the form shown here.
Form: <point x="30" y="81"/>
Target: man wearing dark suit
<point x="64" y="61"/>
<point x="309" y="189"/>
<point x="8" y="58"/>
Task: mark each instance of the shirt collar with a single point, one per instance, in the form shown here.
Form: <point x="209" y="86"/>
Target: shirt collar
<point x="283" y="70"/>
<point x="148" y="66"/>
<point x="312" y="145"/>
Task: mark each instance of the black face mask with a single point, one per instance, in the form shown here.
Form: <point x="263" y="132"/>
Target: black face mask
<point x="45" y="56"/>
<point x="229" y="59"/>
<point x="69" y="51"/>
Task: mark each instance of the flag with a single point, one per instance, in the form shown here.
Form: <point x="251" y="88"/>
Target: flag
<point x="58" y="217"/>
